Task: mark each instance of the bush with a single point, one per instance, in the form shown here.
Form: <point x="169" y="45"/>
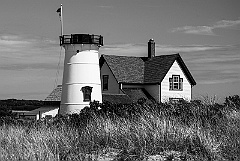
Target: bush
<point x="184" y="130"/>
<point x="233" y="102"/>
<point x="4" y="111"/>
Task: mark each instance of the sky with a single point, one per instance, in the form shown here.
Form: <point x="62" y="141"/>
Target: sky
<point x="206" y="33"/>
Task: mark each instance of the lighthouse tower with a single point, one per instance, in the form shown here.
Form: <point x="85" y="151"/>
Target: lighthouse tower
<point x="81" y="76"/>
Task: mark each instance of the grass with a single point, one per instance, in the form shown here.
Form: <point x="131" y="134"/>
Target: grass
<point x="188" y="131"/>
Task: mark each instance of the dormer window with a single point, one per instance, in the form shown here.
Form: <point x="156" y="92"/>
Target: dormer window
<point x="87" y="90"/>
<point x="175" y="83"/>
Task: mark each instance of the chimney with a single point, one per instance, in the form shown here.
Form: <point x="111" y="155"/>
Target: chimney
<point x="151" y="48"/>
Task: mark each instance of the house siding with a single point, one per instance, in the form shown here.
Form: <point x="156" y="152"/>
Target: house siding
<point x="113" y="86"/>
<point x="52" y="112"/>
<point x="186" y="93"/>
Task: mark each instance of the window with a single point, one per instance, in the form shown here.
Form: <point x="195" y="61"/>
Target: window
<point x="87" y="90"/>
<point x="105" y="82"/>
<point x="48" y="117"/>
<point x="175" y="83"/>
<point x="175" y="100"/>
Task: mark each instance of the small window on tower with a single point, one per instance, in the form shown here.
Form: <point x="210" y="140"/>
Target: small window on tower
<point x="105" y="82"/>
<point x="87" y="90"/>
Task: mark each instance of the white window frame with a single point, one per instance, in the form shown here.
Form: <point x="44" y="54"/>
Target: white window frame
<point x="175" y="83"/>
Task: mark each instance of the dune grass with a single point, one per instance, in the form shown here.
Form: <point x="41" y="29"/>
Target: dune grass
<point x="188" y="131"/>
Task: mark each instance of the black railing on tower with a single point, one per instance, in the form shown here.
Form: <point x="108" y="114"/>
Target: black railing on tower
<point x="81" y="39"/>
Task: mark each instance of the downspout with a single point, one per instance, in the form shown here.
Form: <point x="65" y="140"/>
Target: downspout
<point x="160" y="93"/>
<point x="191" y="92"/>
<point x="120" y="88"/>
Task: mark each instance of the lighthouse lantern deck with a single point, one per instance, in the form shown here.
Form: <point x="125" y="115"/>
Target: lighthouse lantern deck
<point x="81" y="39"/>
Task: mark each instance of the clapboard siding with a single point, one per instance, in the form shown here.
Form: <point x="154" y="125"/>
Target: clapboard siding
<point x="113" y="86"/>
<point x="166" y="93"/>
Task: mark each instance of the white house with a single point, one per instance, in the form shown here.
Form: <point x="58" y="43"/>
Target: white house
<point x="159" y="78"/>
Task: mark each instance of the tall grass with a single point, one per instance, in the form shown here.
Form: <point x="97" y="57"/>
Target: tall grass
<point x="187" y="131"/>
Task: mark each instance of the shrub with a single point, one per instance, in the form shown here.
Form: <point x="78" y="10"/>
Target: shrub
<point x="233" y="102"/>
<point x="186" y="130"/>
<point x="4" y="112"/>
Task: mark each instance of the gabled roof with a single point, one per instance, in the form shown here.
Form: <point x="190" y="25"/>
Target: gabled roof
<point x="157" y="67"/>
<point x="55" y="95"/>
<point x="125" y="69"/>
<point x="143" y="70"/>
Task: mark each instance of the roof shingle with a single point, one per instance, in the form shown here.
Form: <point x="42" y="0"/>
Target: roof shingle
<point x="157" y="67"/>
<point x="142" y="70"/>
<point x="55" y="95"/>
<point x="126" y="69"/>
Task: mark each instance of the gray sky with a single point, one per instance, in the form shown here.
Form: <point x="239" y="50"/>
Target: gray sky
<point x="206" y="33"/>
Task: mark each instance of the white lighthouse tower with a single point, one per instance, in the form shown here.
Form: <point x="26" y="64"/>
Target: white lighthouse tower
<point x="81" y="76"/>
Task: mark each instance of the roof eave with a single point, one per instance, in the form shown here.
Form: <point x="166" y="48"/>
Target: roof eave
<point x="132" y="83"/>
<point x="185" y="70"/>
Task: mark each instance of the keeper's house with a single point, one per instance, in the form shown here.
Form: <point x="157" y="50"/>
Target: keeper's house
<point x="159" y="78"/>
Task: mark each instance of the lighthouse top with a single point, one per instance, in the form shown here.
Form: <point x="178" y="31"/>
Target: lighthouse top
<point x="81" y="39"/>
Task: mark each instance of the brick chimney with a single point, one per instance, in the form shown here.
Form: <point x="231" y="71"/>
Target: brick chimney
<point x="151" y="48"/>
